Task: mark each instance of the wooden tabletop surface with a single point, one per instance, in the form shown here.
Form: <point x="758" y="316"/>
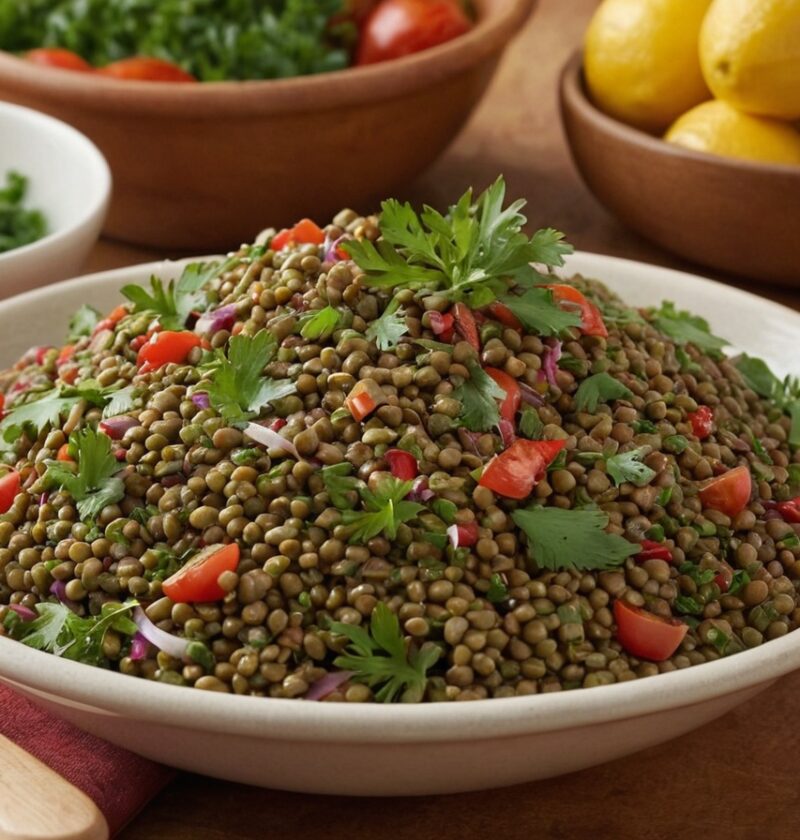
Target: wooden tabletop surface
<point x="735" y="778"/>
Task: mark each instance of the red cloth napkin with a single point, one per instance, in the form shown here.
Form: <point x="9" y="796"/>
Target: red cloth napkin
<point x="119" y="782"/>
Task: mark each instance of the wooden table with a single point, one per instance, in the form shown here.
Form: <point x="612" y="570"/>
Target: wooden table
<point x="735" y="778"/>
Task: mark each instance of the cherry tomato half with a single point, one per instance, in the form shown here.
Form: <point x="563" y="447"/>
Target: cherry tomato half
<point x="402" y="27"/>
<point x="402" y="464"/>
<point x="729" y="493"/>
<point x="9" y="487"/>
<point x="305" y="232"/>
<point x="60" y="58"/>
<point x="144" y="69"/>
<point x="645" y="635"/>
<point x="591" y="320"/>
<point x="514" y="473"/>
<point x="702" y="421"/>
<point x="164" y="348"/>
<point x="197" y="580"/>
<point x="790" y="510"/>
<point x="513" y="398"/>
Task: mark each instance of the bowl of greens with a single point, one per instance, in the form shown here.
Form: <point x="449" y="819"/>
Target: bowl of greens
<point x="54" y="191"/>
<point x="277" y="110"/>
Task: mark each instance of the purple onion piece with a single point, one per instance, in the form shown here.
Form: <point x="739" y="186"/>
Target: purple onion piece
<point x="25" y="613"/>
<point x="530" y="396"/>
<point x="330" y="254"/>
<point x="172" y="645"/>
<point x="201" y="400"/>
<point x="420" y="492"/>
<point x="115" y="427"/>
<point x="220" y="319"/>
<point x="327" y="685"/>
<point x="140" y="647"/>
<point x="272" y="440"/>
<point x="550" y="358"/>
<point x="59" y="589"/>
<point x="43" y="498"/>
<point x="507" y="432"/>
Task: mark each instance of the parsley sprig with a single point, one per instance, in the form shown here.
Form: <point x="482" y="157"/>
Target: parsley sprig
<point x="470" y="250"/>
<point x="238" y="388"/>
<point x="379" y="658"/>
<point x="94" y="485"/>
<point x="572" y="539"/>
<point x="478" y="396"/>
<point x="684" y="328"/>
<point x="602" y="387"/>
<point x="539" y="313"/>
<point x="628" y="466"/>
<point x="385" y="510"/>
<point x="387" y="331"/>
<point x="784" y="393"/>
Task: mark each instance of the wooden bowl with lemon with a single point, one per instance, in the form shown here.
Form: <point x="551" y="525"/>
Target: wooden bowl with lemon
<point x="682" y="117"/>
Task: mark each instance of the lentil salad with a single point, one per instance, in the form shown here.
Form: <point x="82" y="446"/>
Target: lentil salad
<point x="390" y="461"/>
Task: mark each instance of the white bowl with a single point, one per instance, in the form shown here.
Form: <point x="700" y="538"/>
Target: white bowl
<point x="68" y="180"/>
<point x="405" y="750"/>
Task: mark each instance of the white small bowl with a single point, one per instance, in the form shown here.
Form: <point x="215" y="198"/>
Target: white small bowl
<point x="68" y="180"/>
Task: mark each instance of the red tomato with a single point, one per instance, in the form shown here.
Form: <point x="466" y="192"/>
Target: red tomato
<point x="164" y="348"/>
<point x="790" y="510"/>
<point x="442" y="324"/>
<point x="591" y="319"/>
<point x="63" y="453"/>
<point x="197" y="580"/>
<point x="9" y="487"/>
<point x="645" y="635"/>
<point x="729" y="493"/>
<point x="467" y="534"/>
<point x="401" y="27"/>
<point x="466" y="326"/>
<point x="305" y="232"/>
<point x="702" y="421"/>
<point x="67" y="352"/>
<point x="60" y="58"/>
<point x="652" y="550"/>
<point x="514" y="473"/>
<point x="500" y="312"/>
<point x="510" y="405"/>
<point x="144" y="69"/>
<point x="402" y="464"/>
<point x="68" y="374"/>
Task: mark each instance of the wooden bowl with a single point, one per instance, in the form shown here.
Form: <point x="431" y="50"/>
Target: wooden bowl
<point x="206" y="166"/>
<point x="732" y="215"/>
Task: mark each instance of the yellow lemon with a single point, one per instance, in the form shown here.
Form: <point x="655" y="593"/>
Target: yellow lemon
<point x="641" y="61"/>
<point x="719" y="128"/>
<point x="750" y="54"/>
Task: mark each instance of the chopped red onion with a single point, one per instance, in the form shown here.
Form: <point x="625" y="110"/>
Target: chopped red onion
<point x="530" y="396"/>
<point x="550" y="358"/>
<point x="43" y="498"/>
<point x="272" y="440"/>
<point x="59" y="589"/>
<point x="507" y="432"/>
<point x="201" y="400"/>
<point x="172" y="645"/>
<point x="140" y="647"/>
<point x="220" y="319"/>
<point x="420" y="492"/>
<point x="331" y="253"/>
<point x="25" y="613"/>
<point x="327" y="685"/>
<point x="115" y="427"/>
<point x="277" y="424"/>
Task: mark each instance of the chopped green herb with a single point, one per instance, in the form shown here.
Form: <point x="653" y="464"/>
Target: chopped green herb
<point x="739" y="581"/>
<point x="572" y="539"/>
<point x="684" y="328"/>
<point x="340" y="485"/>
<point x="628" y="466"/>
<point x="320" y="324"/>
<point x="379" y="657"/>
<point x="387" y="331"/>
<point x="600" y="388"/>
<point x="664" y="496"/>
<point x="688" y="365"/>
<point x="698" y="575"/>
<point x="688" y="605"/>
<point x="676" y="444"/>
<point x="759" y="449"/>
<point x="122" y="401"/>
<point x="478" y="396"/>
<point x="539" y="313"/>
<point x="94" y="485"/>
<point x="385" y="510"/>
<point x="530" y="424"/>
<point x="82" y="322"/>
<point x="445" y="510"/>
<point x="18" y="226"/>
<point x="644" y="427"/>
<point x="498" y="591"/>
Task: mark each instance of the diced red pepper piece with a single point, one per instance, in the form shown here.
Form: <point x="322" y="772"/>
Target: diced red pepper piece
<point x="365" y="397"/>
<point x="652" y="550"/>
<point x="790" y="510"/>
<point x="513" y="398"/>
<point x="68" y="374"/>
<point x="9" y="487"/>
<point x="66" y="353"/>
<point x="305" y="232"/>
<point x="442" y="325"/>
<point x="281" y="239"/>
<point x="702" y="421"/>
<point x="500" y="312"/>
<point x="402" y="464"/>
<point x="591" y="319"/>
<point x="165" y="348"/>
<point x="729" y="493"/>
<point x="646" y="635"/>
<point x="466" y="326"/>
<point x="514" y="473"/>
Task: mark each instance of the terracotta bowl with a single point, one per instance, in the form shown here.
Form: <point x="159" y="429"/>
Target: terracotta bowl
<point x="206" y="166"/>
<point x="732" y="215"/>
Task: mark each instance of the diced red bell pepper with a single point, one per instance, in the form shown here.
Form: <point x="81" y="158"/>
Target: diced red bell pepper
<point x="9" y="487"/>
<point x="702" y="421"/>
<point x="442" y="325"/>
<point x="729" y="493"/>
<point x="305" y="232"/>
<point x="68" y="374"/>
<point x="790" y="510"/>
<point x="466" y="326"/>
<point x="500" y="312"/>
<point x="165" y="348"/>
<point x="467" y="534"/>
<point x="277" y="424"/>
<point x="513" y="397"/>
<point x="365" y="397"/>
<point x="66" y="353"/>
<point x="591" y="319"/>
<point x="514" y="473"/>
<point x="402" y="464"/>
<point x="196" y="582"/>
<point x="646" y="635"/>
<point x="63" y="453"/>
<point x="652" y="550"/>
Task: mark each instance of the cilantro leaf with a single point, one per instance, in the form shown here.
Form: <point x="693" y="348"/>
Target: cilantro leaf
<point x="239" y="389"/>
<point x="599" y="388"/>
<point x="379" y="657"/>
<point x="82" y="322"/>
<point x="385" y="510"/>
<point x="44" y="632"/>
<point x="498" y="591"/>
<point x="320" y="324"/>
<point x="572" y="539"/>
<point x="539" y="313"/>
<point x="94" y="485"/>
<point x="387" y="331"/>
<point x="628" y="466"/>
<point x="786" y="394"/>
<point x="122" y="401"/>
<point x="339" y="484"/>
<point x="530" y="424"/>
<point x="478" y="396"/>
<point x="684" y="328"/>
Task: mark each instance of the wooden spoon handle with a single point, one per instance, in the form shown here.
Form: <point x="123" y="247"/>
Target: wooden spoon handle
<point x="36" y="803"/>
